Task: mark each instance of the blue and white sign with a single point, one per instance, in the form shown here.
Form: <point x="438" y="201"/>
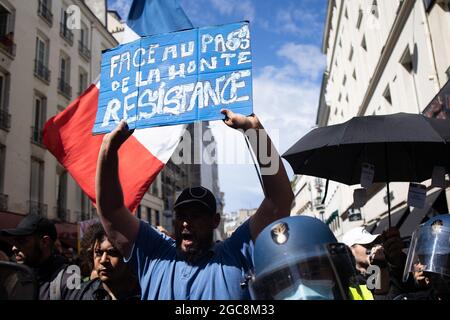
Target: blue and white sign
<point x="178" y="77"/>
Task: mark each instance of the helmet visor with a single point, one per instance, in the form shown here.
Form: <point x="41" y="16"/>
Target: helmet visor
<point x="320" y="273"/>
<point x="429" y="251"/>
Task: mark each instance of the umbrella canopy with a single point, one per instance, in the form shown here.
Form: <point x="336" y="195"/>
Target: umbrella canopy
<point x="402" y="147"/>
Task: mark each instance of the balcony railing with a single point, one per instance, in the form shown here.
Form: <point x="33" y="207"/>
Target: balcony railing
<point x="3" y="202"/>
<point x="36" y="136"/>
<point x="41" y="71"/>
<point x="7" y="44"/>
<point x="45" y="13"/>
<point x="5" y="120"/>
<point x="38" y="208"/>
<point x="84" y="50"/>
<point x="62" y="213"/>
<point x="64" y="88"/>
<point x="66" y="33"/>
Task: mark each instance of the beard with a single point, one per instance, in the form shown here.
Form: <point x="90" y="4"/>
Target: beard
<point x="195" y="252"/>
<point x="34" y="257"/>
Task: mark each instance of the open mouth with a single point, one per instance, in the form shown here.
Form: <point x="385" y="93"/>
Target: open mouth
<point x="103" y="272"/>
<point x="187" y="238"/>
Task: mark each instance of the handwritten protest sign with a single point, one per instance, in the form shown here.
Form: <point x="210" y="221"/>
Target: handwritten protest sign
<point x="178" y="77"/>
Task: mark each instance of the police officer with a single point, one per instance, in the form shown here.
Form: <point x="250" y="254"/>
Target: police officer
<point x="429" y="254"/>
<point x="299" y="258"/>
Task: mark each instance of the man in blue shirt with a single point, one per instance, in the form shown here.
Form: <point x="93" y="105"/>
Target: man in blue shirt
<point x="192" y="266"/>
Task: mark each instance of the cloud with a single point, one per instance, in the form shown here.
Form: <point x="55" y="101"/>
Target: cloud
<point x="196" y="12"/>
<point x="285" y="100"/>
<point x="308" y="59"/>
<point x="287" y="107"/>
<point x="244" y="8"/>
<point x="302" y="21"/>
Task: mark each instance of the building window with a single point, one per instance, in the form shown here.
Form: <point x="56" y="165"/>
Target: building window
<point x="139" y="212"/>
<point x="83" y="44"/>
<point x="154" y="188"/>
<point x="350" y="55"/>
<point x="45" y="11"/>
<point x="64" y="77"/>
<point x="339" y="99"/>
<point x="41" y="60"/>
<point x="82" y="81"/>
<point x="344" y="80"/>
<point x="40" y="113"/>
<point x="7" y="32"/>
<point x="427" y="4"/>
<point x="3" y="197"/>
<point x="5" y="117"/>
<point x="360" y="16"/>
<point x="61" y="196"/>
<point x="150" y="219"/>
<point x="354" y="74"/>
<point x="36" y="187"/>
<point x="374" y="9"/>
<point x="346" y="13"/>
<point x="387" y="95"/>
<point x="340" y="43"/>
<point x="448" y="73"/>
<point x="363" y="43"/>
<point x="85" y="206"/>
<point x="64" y="31"/>
<point x="157" y="221"/>
<point x="406" y="60"/>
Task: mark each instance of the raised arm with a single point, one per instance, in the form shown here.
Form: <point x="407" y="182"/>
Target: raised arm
<point x="120" y="225"/>
<point x="278" y="191"/>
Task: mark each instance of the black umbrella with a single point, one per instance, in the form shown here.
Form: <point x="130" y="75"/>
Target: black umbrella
<point x="402" y="147"/>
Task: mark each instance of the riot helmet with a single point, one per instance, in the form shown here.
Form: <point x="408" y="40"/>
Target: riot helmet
<point x="299" y="258"/>
<point x="429" y="250"/>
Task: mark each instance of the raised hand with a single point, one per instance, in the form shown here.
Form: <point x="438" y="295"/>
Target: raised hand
<point x="118" y="136"/>
<point x="239" y="121"/>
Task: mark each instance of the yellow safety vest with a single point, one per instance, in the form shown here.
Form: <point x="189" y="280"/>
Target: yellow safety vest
<point x="360" y="293"/>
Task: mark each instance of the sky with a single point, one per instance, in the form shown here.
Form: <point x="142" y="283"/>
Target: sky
<point x="286" y="39"/>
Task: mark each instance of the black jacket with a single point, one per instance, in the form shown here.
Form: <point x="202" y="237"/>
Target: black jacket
<point x="93" y="290"/>
<point x="47" y="272"/>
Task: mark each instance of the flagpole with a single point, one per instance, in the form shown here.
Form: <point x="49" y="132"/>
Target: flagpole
<point x="254" y="163"/>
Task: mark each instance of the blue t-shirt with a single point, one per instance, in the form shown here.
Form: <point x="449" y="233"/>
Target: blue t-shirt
<point x="163" y="274"/>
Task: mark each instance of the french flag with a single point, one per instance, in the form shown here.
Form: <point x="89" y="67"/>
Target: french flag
<point x="68" y="135"/>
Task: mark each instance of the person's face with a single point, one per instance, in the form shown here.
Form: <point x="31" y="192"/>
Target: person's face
<point x="194" y="230"/>
<point x="108" y="262"/>
<point x="68" y="254"/>
<point x="27" y="250"/>
<point x="360" y="253"/>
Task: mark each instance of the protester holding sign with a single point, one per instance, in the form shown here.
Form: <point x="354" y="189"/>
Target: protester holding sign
<point x="192" y="266"/>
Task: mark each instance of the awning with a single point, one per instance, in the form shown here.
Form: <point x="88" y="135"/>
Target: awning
<point x="395" y="218"/>
<point x="332" y="216"/>
<point x="416" y="215"/>
<point x="371" y="227"/>
<point x="67" y="232"/>
<point x="9" y="220"/>
<point x="438" y="107"/>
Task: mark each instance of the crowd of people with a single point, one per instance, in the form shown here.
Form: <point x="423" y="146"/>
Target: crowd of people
<point x="270" y="256"/>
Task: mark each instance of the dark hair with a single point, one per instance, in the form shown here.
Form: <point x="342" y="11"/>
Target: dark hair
<point x="93" y="234"/>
